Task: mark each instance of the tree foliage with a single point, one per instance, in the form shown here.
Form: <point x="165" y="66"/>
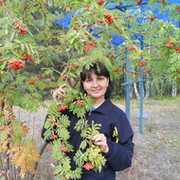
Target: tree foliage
<point x="36" y="55"/>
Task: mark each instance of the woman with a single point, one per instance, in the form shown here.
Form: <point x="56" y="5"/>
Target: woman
<point x="115" y="137"/>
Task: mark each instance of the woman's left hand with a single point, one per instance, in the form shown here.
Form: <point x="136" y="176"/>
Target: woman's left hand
<point x="101" y="141"/>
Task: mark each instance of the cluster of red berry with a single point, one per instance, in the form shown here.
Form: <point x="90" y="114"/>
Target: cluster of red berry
<point x="0" y="55"/>
<point x="111" y="56"/>
<point x="89" y="46"/>
<point x="109" y="18"/>
<point x="153" y="18"/>
<point x="28" y="57"/>
<point x="102" y="23"/>
<point x="33" y="80"/>
<point x="177" y="49"/>
<point x="75" y="28"/>
<point x="171" y="45"/>
<point x="26" y="6"/>
<point x="21" y="28"/>
<point x="142" y="63"/>
<point x="53" y="136"/>
<point x="139" y="2"/>
<point x="130" y="48"/>
<point x="16" y="64"/>
<point x="2" y="2"/>
<point x="117" y="69"/>
<point x="88" y="166"/>
<point x="62" y="108"/>
<point x="64" y="77"/>
<point x="63" y="149"/>
<point x="100" y="2"/>
<point x="80" y="104"/>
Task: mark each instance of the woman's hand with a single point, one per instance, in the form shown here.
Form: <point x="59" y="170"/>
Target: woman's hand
<point x="57" y="95"/>
<point x="101" y="141"/>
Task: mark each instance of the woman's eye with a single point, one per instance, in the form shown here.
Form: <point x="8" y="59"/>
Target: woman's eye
<point x="88" y="80"/>
<point x="101" y="78"/>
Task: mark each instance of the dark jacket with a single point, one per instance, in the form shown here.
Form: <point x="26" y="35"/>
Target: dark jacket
<point x="120" y="152"/>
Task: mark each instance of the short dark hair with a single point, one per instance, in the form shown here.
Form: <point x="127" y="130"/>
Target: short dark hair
<point x="100" y="70"/>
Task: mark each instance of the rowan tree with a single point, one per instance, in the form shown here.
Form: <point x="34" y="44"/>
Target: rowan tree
<point x="34" y="48"/>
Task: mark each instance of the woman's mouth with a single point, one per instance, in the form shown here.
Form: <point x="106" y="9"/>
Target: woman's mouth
<point x="96" y="91"/>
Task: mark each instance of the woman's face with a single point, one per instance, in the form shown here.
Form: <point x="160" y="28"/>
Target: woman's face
<point x="96" y="86"/>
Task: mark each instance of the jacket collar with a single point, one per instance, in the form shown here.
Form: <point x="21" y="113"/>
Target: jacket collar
<point x="105" y="107"/>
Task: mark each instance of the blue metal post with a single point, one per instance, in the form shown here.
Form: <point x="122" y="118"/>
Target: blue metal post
<point x="128" y="89"/>
<point x="141" y="104"/>
<point x="141" y="93"/>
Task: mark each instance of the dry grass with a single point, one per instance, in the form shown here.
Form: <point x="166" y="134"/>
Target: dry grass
<point x="157" y="150"/>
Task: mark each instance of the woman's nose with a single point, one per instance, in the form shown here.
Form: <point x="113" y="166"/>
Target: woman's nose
<point x="95" y="83"/>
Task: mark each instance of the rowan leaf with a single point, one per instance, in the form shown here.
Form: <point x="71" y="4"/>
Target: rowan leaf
<point x="80" y="125"/>
<point x="19" y="131"/>
<point x="3" y="121"/>
<point x="83" y="144"/>
<point x="4" y="134"/>
<point x="63" y="133"/>
<point x="26" y="157"/>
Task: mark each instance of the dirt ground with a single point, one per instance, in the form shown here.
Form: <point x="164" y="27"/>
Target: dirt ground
<point x="157" y="150"/>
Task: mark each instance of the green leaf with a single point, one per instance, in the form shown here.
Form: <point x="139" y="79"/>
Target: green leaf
<point x="83" y="144"/>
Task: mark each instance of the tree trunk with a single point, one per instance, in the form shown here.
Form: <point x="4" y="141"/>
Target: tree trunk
<point x="136" y="91"/>
<point x="147" y="87"/>
<point x="174" y="90"/>
<point x="131" y="92"/>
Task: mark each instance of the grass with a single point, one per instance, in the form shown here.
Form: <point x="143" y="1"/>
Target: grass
<point x="157" y="150"/>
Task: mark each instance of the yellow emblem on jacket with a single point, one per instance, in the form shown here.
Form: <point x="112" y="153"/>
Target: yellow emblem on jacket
<point x="116" y="134"/>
